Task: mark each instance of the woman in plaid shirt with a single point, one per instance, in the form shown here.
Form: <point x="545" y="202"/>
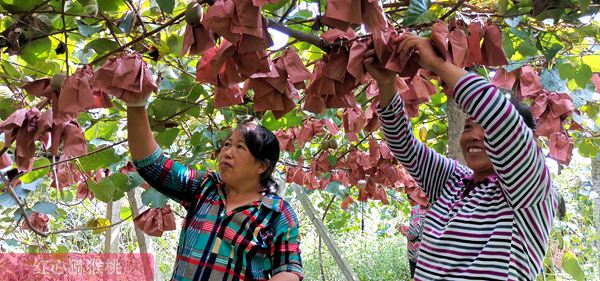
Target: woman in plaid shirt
<point x="413" y="233"/>
<point x="236" y="228"/>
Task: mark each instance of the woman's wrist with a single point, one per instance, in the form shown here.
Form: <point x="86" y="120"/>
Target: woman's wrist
<point x="386" y="92"/>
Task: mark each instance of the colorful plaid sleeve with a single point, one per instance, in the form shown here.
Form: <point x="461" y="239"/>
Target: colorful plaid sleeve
<point x="174" y="180"/>
<point x="286" y="247"/>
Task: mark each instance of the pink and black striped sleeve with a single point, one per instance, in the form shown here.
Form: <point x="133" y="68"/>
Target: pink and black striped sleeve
<point x="170" y="178"/>
<point x="430" y="169"/>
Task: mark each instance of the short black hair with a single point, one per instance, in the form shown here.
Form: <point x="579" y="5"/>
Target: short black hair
<point x="264" y="146"/>
<point x="525" y="113"/>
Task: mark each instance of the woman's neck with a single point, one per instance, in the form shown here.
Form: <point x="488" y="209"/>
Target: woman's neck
<point x="241" y="193"/>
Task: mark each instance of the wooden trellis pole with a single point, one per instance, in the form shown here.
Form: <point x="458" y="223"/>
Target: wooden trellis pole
<point x="322" y="230"/>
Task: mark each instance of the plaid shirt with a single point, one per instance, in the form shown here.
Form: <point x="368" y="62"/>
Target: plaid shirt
<point x="415" y="231"/>
<point x="252" y="242"/>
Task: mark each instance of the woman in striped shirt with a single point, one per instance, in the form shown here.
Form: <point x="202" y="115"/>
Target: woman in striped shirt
<point x="492" y="219"/>
<point x="236" y="227"/>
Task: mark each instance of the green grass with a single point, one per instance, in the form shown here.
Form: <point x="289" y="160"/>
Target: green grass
<point x="372" y="258"/>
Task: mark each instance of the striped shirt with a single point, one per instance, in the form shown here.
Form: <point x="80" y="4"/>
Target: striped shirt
<point x="252" y="242"/>
<point x="500" y="229"/>
<point x="415" y="231"/>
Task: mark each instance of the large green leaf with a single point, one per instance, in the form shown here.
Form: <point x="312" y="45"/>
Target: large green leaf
<point x="88" y="30"/>
<point x="112" y="5"/>
<point x="37" y="51"/>
<point x="9" y="70"/>
<point x="154" y="199"/>
<point x="34" y="175"/>
<point x="126" y="22"/>
<point x="416" y="10"/>
<point x="101" y="46"/>
<point x="99" y="160"/>
<point x="15" y="6"/>
<point x="552" y="82"/>
<point x="47" y="208"/>
<point x="166" y="138"/>
<point x="571" y="266"/>
<point x="103" y="190"/>
<point x="102" y="130"/>
<point x="90" y="7"/>
<point x="7" y="107"/>
<point x="166" y="5"/>
<point x="583" y="74"/>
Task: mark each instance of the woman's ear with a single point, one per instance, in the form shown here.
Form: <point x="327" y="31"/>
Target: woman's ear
<point x="263" y="166"/>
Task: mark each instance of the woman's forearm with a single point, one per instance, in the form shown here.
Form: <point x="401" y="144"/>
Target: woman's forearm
<point x="140" y="138"/>
<point x="450" y="73"/>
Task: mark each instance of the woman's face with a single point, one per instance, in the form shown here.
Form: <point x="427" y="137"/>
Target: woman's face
<point x="471" y="144"/>
<point x="237" y="165"/>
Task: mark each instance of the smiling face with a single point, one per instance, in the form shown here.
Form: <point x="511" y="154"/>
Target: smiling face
<point x="237" y="166"/>
<point x="471" y="144"/>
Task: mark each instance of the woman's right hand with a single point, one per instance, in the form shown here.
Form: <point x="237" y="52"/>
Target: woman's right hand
<point x="428" y="59"/>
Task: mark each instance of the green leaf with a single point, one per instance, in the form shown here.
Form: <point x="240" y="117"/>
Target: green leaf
<point x="120" y="181"/>
<point x="34" y="175"/>
<point x="125" y="212"/>
<point x="37" y="51"/>
<point x="336" y="188"/>
<point x="134" y="180"/>
<point x="7" y="106"/>
<point x="154" y="199"/>
<point x="551" y="53"/>
<point x="166" y="138"/>
<point x="587" y="148"/>
<point x="102" y="130"/>
<point x="273" y="7"/>
<point x="10" y="70"/>
<point x="162" y="109"/>
<point x="513" y="22"/>
<point x="101" y="46"/>
<point x="7" y="201"/>
<point x="527" y="49"/>
<point x="571" y="266"/>
<point x="90" y="7"/>
<point x="508" y="46"/>
<point x="175" y="43"/>
<point x="583" y="75"/>
<point x="515" y="65"/>
<point x="103" y="190"/>
<point x="32" y="186"/>
<point x="112" y="5"/>
<point x="99" y="160"/>
<point x="47" y="208"/>
<point x="416" y="9"/>
<point x="552" y="82"/>
<point x="126" y="22"/>
<point x="14" y="6"/>
<point x="166" y="5"/>
<point x="88" y="30"/>
<point x="566" y="71"/>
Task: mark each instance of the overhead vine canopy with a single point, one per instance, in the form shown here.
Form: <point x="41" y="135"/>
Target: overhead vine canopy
<point x="295" y="65"/>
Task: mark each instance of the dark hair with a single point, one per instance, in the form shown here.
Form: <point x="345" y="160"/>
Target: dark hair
<point x="525" y="113"/>
<point x="264" y="146"/>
